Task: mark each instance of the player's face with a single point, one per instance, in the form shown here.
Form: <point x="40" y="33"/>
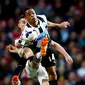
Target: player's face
<point x="30" y="15"/>
<point x="22" y="23"/>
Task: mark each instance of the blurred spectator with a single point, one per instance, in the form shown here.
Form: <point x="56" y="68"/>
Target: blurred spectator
<point x="17" y="13"/>
<point x="2" y="25"/>
<point x="32" y="2"/>
<point x="73" y="37"/>
<point x="5" y="39"/>
<point x="6" y="81"/>
<point x="11" y="25"/>
<point x="68" y="69"/>
<point x="81" y="70"/>
<point x="22" y="3"/>
<point x="7" y="9"/>
<point x="40" y="8"/>
<point x="55" y="35"/>
<point x="15" y="33"/>
<point x="82" y="38"/>
<point x="64" y="35"/>
<point x="13" y="65"/>
<point x="57" y="8"/>
<point x="78" y="60"/>
<point x="2" y="46"/>
<point x="72" y="78"/>
<point x="70" y="13"/>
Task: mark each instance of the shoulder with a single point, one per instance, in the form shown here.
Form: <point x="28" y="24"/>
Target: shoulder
<point x="42" y="17"/>
<point x="17" y="40"/>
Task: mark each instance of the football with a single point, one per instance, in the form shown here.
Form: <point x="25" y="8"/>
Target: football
<point x="30" y="35"/>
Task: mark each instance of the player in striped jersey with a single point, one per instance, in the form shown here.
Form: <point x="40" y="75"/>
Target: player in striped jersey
<point x="40" y="24"/>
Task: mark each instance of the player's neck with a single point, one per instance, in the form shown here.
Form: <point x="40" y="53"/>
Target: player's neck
<point x="34" y="24"/>
<point x="22" y="29"/>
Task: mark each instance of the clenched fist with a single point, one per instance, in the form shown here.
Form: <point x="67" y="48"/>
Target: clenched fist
<point x="64" y="24"/>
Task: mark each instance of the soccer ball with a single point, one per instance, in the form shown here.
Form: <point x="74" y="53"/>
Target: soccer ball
<point x="30" y="35"/>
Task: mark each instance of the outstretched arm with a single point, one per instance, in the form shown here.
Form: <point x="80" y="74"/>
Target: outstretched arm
<point x="59" y="48"/>
<point x="61" y="25"/>
<point x="23" y="52"/>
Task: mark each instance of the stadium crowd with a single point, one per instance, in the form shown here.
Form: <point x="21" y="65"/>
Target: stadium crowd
<point x="72" y="38"/>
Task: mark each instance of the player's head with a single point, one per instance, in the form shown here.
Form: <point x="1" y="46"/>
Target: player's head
<point x="22" y="24"/>
<point x="30" y="14"/>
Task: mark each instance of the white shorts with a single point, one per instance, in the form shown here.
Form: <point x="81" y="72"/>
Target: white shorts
<point x="40" y="73"/>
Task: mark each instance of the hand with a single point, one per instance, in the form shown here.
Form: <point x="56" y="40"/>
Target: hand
<point x="69" y="59"/>
<point x="64" y="24"/>
<point x="12" y="49"/>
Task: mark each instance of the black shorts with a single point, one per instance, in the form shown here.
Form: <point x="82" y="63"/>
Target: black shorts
<point x="49" y="59"/>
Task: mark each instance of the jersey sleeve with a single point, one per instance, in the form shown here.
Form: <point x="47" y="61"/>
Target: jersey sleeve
<point x="44" y="17"/>
<point x="19" y="41"/>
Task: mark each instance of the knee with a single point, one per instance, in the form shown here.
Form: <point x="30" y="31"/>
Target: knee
<point x="26" y="49"/>
<point x="28" y="52"/>
<point x="45" y="82"/>
<point x="52" y="75"/>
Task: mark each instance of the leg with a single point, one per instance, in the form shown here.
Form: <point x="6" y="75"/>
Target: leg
<point x="21" y="65"/>
<point x="18" y="71"/>
<point x="49" y="63"/>
<point x="52" y="75"/>
<point x="45" y="82"/>
<point x="42" y="76"/>
<point x="26" y="53"/>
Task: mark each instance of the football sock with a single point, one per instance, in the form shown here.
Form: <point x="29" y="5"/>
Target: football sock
<point x="20" y="67"/>
<point x="54" y="82"/>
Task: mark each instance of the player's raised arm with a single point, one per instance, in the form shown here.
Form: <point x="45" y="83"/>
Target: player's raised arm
<point x="61" y="25"/>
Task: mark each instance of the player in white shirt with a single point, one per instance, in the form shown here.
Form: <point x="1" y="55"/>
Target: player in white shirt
<point x="33" y="66"/>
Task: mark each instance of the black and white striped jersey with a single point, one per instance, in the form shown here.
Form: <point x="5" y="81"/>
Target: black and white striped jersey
<point x="41" y="28"/>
